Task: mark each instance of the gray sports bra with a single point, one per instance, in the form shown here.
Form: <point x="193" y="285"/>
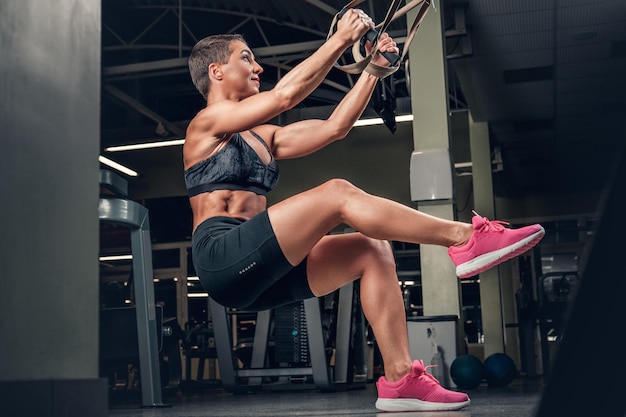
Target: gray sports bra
<point x="235" y="167"/>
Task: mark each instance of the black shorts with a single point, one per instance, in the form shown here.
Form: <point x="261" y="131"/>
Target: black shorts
<point x="241" y="265"/>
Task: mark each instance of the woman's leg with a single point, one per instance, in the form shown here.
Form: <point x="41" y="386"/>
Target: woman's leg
<point x="338" y="259"/>
<point x="300" y="221"/>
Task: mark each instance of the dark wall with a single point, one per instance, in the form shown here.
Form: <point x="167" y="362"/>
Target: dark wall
<point x="49" y="128"/>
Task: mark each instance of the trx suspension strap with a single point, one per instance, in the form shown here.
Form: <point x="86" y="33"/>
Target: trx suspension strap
<point x="363" y="63"/>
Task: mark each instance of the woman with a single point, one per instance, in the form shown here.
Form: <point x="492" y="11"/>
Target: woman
<point x="254" y="257"/>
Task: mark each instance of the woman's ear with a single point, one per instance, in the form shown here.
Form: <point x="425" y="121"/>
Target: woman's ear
<point x="215" y="71"/>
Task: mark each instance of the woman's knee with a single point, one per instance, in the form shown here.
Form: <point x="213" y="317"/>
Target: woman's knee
<point x="385" y="253"/>
<point x="340" y="188"/>
<point x="377" y="251"/>
<point x="339" y="193"/>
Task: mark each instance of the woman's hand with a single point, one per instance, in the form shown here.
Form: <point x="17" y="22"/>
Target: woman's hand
<point x="385" y="44"/>
<point x="353" y="25"/>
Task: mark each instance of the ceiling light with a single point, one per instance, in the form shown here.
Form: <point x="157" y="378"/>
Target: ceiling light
<point x="404" y="118"/>
<point x="149" y="145"/>
<point x="116" y="258"/>
<point x="198" y="295"/>
<point x="115" y="165"/>
<point x="379" y="120"/>
<point x="368" y="122"/>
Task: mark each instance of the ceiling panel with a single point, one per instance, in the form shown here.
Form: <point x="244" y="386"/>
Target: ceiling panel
<point x="525" y="22"/>
<point x="491" y="7"/>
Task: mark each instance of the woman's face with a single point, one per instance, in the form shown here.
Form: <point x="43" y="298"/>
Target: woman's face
<point x="242" y="71"/>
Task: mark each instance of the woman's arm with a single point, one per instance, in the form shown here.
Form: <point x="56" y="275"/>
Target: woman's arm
<point x="294" y="87"/>
<point x="307" y="136"/>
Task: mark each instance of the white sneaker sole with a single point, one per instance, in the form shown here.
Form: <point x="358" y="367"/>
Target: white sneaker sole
<point x="491" y="259"/>
<point x="409" y="404"/>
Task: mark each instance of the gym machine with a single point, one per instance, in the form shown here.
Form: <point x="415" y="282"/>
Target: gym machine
<point x="114" y="207"/>
<point x="346" y="369"/>
<point x="555" y="292"/>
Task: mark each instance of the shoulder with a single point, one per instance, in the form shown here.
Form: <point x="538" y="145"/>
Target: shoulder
<point x="208" y="119"/>
<point x="201" y="122"/>
<point x="200" y="140"/>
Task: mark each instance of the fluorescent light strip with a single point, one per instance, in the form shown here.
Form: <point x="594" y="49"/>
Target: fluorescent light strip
<point x="198" y="295"/>
<point x="368" y="122"/>
<point x="404" y="118"/>
<point x="116" y="258"/>
<point x="115" y="165"/>
<point x="178" y="142"/>
<point x="149" y="145"/>
<point x="379" y="121"/>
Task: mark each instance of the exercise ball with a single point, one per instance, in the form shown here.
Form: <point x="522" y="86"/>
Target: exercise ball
<point x="500" y="370"/>
<point x="467" y="371"/>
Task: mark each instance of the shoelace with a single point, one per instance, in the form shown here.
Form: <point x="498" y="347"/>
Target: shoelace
<point x="495" y="225"/>
<point x="429" y="376"/>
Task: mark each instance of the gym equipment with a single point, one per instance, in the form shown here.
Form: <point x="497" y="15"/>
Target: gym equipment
<point x="500" y="370"/>
<point x="291" y="335"/>
<point x="118" y="335"/>
<point x="299" y="341"/>
<point x="467" y="371"/>
<point x="198" y="342"/>
<point x="372" y="36"/>
<point x="527" y="312"/>
<point x="115" y="208"/>
<point x="555" y="294"/>
<point x="363" y="63"/>
<point x="119" y="349"/>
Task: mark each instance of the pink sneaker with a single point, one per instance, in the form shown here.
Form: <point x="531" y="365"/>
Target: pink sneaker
<point x="491" y="244"/>
<point x="417" y="391"/>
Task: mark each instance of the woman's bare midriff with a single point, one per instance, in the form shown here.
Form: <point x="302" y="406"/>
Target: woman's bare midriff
<point x="238" y="204"/>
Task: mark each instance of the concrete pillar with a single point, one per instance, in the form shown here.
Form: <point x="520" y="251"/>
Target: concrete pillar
<point x="49" y="127"/>
<point x="490" y="285"/>
<point x="429" y="103"/>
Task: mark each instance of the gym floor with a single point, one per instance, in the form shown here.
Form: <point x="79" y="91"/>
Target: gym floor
<point x="519" y="399"/>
